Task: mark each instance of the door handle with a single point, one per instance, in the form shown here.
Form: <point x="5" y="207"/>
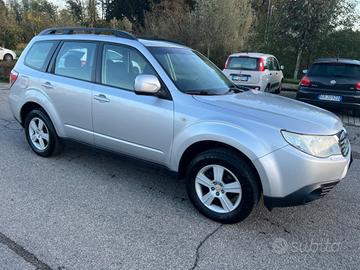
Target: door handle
<point x="101" y="98"/>
<point x="48" y="85"/>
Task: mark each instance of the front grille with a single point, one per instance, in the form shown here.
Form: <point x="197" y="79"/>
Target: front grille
<point x="325" y="188"/>
<point x="344" y="142"/>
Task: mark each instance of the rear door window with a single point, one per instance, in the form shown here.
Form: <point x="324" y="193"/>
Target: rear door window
<point x="39" y="54"/>
<point x="243" y="63"/>
<point x="335" y="70"/>
<point x="76" y="60"/>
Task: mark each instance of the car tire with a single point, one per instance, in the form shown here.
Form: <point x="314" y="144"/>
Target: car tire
<point x="41" y="135"/>
<point x="208" y="194"/>
<point x="278" y="91"/>
<point x="356" y="113"/>
<point x="8" y="58"/>
<point x="267" y="89"/>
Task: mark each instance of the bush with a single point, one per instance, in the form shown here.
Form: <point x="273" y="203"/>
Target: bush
<point x="5" y="69"/>
<point x="289" y="80"/>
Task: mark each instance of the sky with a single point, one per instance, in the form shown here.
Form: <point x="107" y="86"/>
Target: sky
<point x="60" y="3"/>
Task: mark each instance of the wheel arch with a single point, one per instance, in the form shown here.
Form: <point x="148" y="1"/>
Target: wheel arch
<point x="201" y="146"/>
<point x="9" y="54"/>
<point x="30" y="105"/>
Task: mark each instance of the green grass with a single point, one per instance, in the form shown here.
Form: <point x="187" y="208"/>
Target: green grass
<point x="292" y="81"/>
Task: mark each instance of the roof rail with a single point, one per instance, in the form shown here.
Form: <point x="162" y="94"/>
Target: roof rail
<point x="86" y="30"/>
<point x="161" y="39"/>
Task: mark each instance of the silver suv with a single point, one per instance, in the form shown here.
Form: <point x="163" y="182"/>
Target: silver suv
<point x="168" y="104"/>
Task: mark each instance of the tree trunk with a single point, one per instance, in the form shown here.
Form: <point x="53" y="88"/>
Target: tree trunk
<point x="298" y="61"/>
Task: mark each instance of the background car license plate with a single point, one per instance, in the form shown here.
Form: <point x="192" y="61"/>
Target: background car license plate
<point x="330" y="98"/>
<point x="242" y="78"/>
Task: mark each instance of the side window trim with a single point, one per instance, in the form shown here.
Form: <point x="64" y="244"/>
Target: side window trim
<point x="98" y="78"/>
<point x="272" y="67"/>
<point x="99" y="56"/>
<point x="51" y="68"/>
<point x="51" y="65"/>
<point x="48" y="57"/>
<point x="276" y="64"/>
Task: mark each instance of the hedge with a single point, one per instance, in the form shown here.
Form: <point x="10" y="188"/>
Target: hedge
<point x="5" y="69"/>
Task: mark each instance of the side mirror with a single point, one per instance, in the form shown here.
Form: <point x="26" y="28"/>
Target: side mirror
<point x="282" y="67"/>
<point x="305" y="71"/>
<point x="147" y="85"/>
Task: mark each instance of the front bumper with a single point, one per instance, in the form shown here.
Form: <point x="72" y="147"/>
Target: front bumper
<point x="302" y="196"/>
<point x="290" y="177"/>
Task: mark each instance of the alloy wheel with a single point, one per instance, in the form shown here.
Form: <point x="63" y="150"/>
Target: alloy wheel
<point x="218" y="188"/>
<point x="39" y="134"/>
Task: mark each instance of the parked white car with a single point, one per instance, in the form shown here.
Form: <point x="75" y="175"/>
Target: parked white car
<point x="6" y="54"/>
<point x="255" y="70"/>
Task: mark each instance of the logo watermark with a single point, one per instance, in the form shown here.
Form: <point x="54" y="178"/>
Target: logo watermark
<point x="281" y="246"/>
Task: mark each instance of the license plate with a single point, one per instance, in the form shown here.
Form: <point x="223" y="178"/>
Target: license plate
<point x="330" y="98"/>
<point x="242" y="78"/>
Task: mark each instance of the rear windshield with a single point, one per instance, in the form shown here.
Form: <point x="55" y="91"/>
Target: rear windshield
<point x="244" y="63"/>
<point x="335" y="70"/>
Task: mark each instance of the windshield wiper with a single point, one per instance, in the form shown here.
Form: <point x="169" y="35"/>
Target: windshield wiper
<point x="235" y="89"/>
<point x="198" y="92"/>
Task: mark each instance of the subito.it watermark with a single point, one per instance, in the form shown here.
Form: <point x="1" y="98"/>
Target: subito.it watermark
<point x="281" y="246"/>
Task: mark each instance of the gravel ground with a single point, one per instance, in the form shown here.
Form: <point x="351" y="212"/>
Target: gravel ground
<point x="87" y="209"/>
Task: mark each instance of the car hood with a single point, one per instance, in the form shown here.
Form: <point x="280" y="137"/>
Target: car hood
<point x="276" y="111"/>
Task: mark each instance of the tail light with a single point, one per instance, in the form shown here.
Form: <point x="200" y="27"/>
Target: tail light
<point x="261" y="64"/>
<point x="13" y="77"/>
<point x="227" y="63"/>
<point x="305" y="81"/>
<point x="357" y="86"/>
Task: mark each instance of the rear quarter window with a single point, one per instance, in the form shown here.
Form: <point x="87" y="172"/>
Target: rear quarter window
<point x="39" y="54"/>
<point x="335" y="70"/>
<point x="243" y="63"/>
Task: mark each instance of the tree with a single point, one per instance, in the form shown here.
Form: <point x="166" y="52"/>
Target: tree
<point x="75" y="8"/>
<point x="222" y="25"/>
<point x="213" y="27"/>
<point x="9" y="28"/>
<point x="92" y="12"/>
<point x="37" y="15"/>
<point x="133" y="10"/>
<point x="305" y="23"/>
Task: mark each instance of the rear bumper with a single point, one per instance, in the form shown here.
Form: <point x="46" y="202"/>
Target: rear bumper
<point x="350" y="101"/>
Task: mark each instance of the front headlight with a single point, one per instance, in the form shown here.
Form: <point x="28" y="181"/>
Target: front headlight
<point x="315" y="145"/>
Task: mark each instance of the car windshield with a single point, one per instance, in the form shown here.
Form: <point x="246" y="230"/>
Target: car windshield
<point x="335" y="70"/>
<point x="191" y="72"/>
<point x="243" y="63"/>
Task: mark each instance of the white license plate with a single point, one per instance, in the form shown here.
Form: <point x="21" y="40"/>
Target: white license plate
<point x="242" y="78"/>
<point x="330" y="98"/>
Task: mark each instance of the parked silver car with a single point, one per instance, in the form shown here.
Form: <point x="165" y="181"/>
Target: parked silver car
<point x="168" y="104"/>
